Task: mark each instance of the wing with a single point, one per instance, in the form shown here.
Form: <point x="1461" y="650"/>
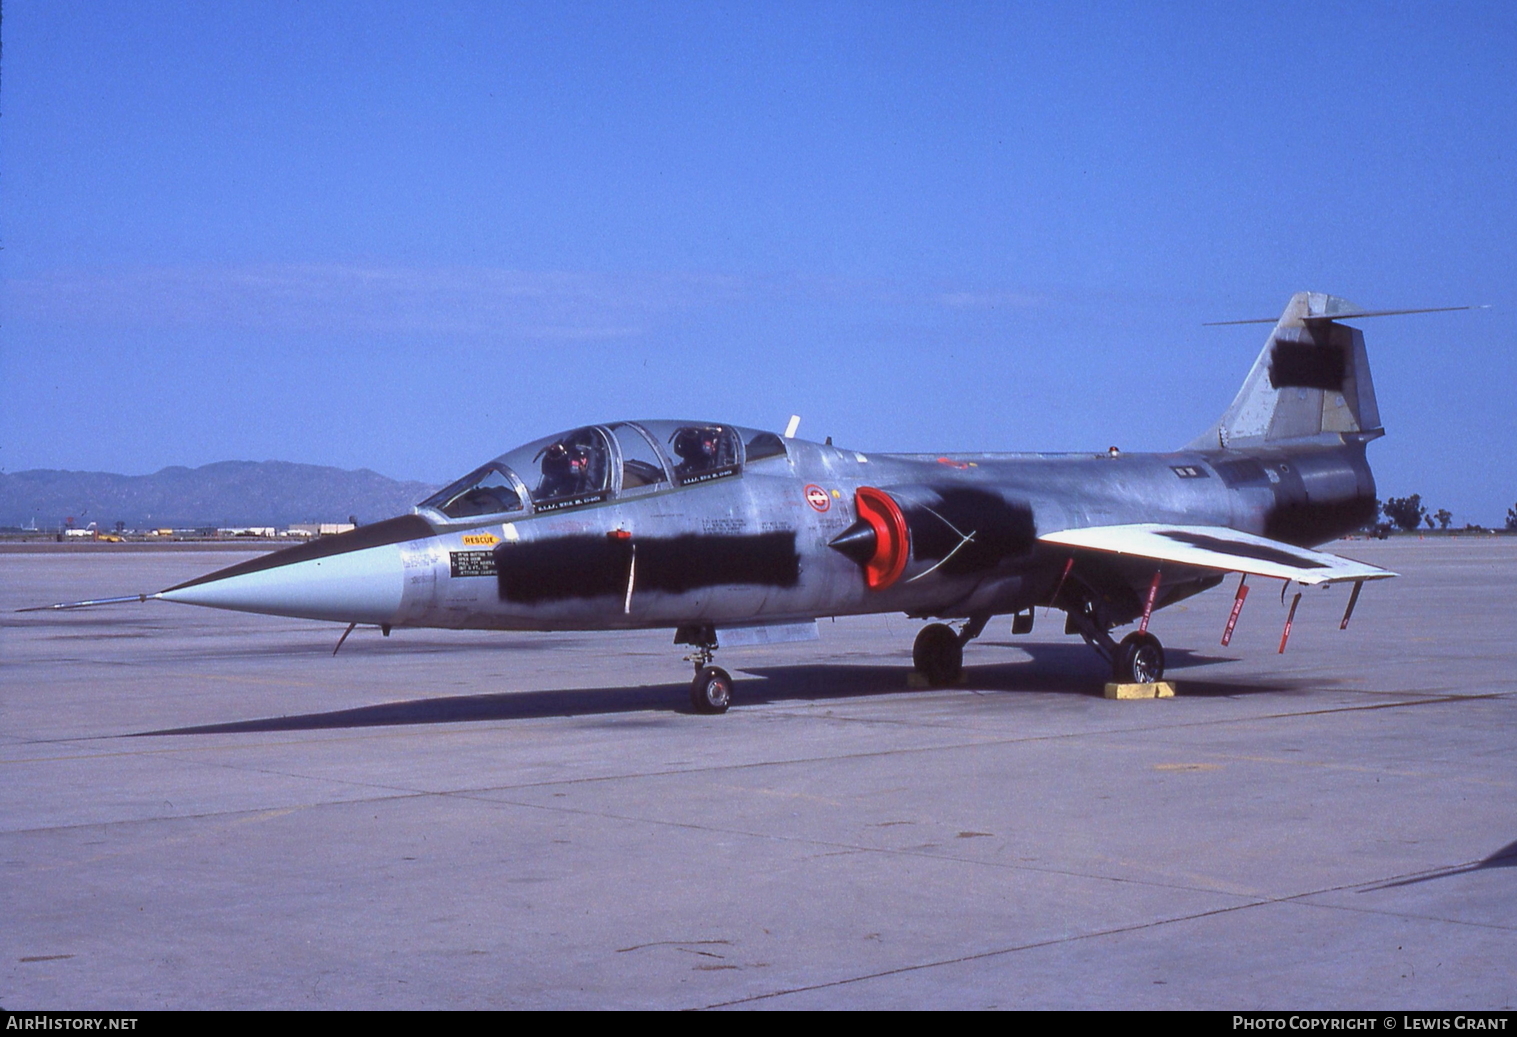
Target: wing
<point x="1217" y="547"/>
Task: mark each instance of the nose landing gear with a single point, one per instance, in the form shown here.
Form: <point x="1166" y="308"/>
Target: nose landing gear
<point x="711" y="691"/>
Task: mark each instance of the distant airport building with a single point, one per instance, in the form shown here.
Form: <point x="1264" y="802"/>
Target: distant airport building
<point x="318" y="529"/>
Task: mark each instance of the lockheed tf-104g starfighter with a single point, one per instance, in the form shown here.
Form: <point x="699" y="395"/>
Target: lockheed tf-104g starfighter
<point x="732" y="535"/>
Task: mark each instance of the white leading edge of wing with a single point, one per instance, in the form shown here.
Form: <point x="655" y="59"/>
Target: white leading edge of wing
<point x="1217" y="547"/>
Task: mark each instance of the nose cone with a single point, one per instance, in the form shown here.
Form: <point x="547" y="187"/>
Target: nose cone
<point x="358" y="587"/>
<point x="355" y="577"/>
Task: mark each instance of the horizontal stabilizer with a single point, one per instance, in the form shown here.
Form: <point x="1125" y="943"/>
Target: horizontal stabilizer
<point x="1345" y="315"/>
<point x="1217" y="547"/>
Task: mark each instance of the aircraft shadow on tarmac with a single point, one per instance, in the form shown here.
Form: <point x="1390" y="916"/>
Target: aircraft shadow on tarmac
<point x="311" y="648"/>
<point x="1056" y="669"/>
<point x="1506" y="857"/>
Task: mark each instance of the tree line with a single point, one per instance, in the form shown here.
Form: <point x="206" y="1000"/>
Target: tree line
<point x="1409" y="514"/>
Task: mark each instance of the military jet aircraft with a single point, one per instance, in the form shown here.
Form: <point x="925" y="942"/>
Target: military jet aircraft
<point x="733" y="535"/>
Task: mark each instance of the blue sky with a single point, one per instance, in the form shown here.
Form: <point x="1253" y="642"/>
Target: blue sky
<point x="410" y="237"/>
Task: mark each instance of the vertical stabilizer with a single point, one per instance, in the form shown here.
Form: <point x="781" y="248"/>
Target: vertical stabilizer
<point x="1311" y="383"/>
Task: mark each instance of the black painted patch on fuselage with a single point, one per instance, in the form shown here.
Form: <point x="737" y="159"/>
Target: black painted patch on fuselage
<point x="577" y="566"/>
<point x="390" y="531"/>
<point x="682" y="563"/>
<point x="997" y="530"/>
<point x="1259" y="552"/>
<point x="1307" y="523"/>
<point x="589" y="566"/>
<point x="1305" y="365"/>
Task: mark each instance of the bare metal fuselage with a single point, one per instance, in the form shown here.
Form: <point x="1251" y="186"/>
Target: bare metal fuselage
<point x="753" y="548"/>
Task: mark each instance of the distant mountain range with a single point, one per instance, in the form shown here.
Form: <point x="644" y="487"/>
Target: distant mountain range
<point x="228" y="493"/>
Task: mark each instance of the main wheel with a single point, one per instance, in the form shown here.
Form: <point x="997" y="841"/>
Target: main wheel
<point x="937" y="655"/>
<point x="711" y="691"/>
<point x="1140" y="660"/>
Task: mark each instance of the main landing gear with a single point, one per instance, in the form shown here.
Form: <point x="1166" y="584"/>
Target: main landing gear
<point x="711" y="691"/>
<point x="1138" y="659"/>
<point x="938" y="654"/>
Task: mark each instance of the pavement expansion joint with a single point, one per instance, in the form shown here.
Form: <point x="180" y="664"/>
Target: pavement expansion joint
<point x="994" y="953"/>
<point x="1411" y="915"/>
<point x="926" y="851"/>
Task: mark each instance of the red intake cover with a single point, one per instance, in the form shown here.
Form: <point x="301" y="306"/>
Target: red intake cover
<point x="892" y="539"/>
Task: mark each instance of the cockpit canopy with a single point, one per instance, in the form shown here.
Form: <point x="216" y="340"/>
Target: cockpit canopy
<point x="595" y="463"/>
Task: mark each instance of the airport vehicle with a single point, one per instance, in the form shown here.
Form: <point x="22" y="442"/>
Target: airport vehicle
<point x="733" y="535"/>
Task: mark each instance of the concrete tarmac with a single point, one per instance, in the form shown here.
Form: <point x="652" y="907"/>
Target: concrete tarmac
<point x="204" y="809"/>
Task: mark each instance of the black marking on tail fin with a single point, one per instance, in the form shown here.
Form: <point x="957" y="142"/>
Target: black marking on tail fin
<point x="1306" y="365"/>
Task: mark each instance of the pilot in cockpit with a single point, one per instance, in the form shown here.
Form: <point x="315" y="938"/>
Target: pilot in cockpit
<point x="565" y="468"/>
<point x="699" y="450"/>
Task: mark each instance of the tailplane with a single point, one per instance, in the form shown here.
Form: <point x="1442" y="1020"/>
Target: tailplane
<point x="1310" y="384"/>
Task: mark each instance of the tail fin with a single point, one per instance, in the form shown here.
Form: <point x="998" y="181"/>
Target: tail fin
<point x="1311" y="382"/>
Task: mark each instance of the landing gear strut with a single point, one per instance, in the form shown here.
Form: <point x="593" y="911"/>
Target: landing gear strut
<point x="1139" y="659"/>
<point x="938" y="653"/>
<point x="711" y="691"/>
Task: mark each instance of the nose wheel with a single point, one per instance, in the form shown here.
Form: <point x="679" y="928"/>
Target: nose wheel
<point x="711" y="691"/>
